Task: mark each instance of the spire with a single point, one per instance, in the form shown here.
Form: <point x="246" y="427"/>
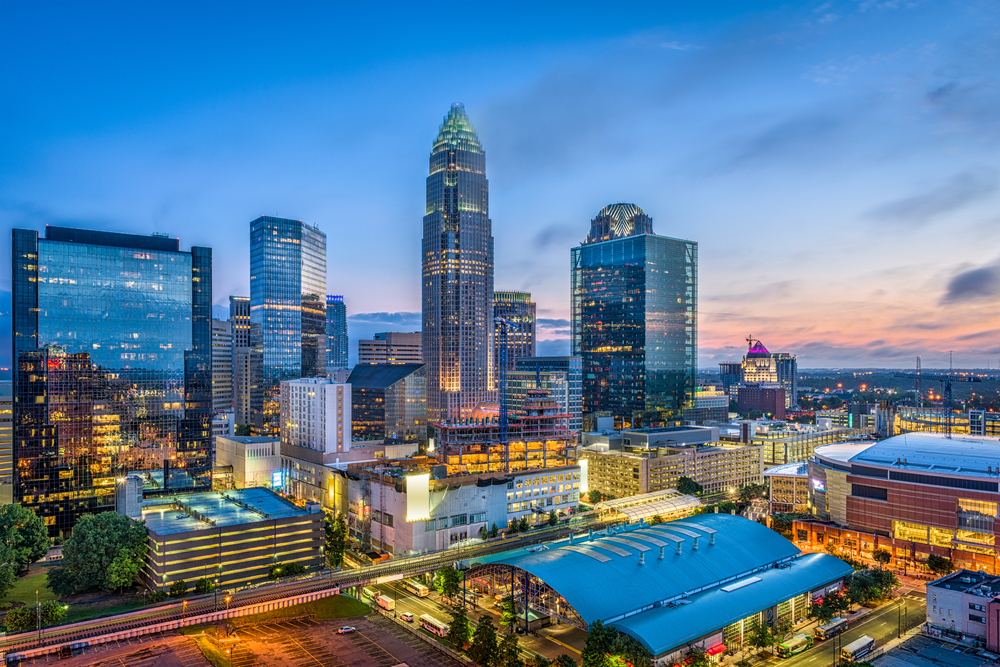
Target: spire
<point x="457" y="132"/>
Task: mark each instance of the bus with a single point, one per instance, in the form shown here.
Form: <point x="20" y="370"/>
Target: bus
<point x="834" y="627"/>
<point x="416" y="588"/>
<point x="368" y="593"/>
<point x="857" y="649"/>
<point x="433" y="626"/>
<point x="386" y="603"/>
<point x="796" y="644"/>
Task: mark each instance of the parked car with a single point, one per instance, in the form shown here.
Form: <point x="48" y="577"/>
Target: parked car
<point x="347" y="629"/>
<point x="407" y="616"/>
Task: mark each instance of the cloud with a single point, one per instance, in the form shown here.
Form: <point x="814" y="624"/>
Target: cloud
<point x="558" y="234"/>
<point x="974" y="285"/>
<point x="795" y="137"/>
<point x="411" y="321"/>
<point x="553" y="348"/>
<point x="677" y="46"/>
<point x="552" y="323"/>
<point x="958" y="192"/>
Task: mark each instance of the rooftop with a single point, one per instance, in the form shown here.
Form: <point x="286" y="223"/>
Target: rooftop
<point x="648" y="505"/>
<point x="967" y="455"/>
<point x="457" y="132"/>
<point x="197" y="511"/>
<point x="380" y="376"/>
<point x="967" y="581"/>
<point x="800" y="469"/>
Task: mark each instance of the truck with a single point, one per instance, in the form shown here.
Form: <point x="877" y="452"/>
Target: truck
<point x="386" y="603"/>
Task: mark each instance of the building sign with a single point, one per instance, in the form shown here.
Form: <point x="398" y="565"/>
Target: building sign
<point x="819" y="485"/>
<point x="277" y="479"/>
<point x="418" y="497"/>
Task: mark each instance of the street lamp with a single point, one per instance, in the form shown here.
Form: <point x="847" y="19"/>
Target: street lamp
<point x="184" y="609"/>
<point x="228" y="598"/>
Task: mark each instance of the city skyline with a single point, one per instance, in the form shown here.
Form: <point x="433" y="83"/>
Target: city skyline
<point x="834" y="161"/>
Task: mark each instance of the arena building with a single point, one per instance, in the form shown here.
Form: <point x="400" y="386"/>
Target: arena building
<point x="915" y="494"/>
<point x="704" y="580"/>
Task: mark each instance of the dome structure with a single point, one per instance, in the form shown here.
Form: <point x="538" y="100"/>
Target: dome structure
<point x="457" y="132"/>
<point x="616" y="221"/>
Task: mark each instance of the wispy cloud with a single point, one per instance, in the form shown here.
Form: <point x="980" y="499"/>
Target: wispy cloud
<point x="978" y="284"/>
<point x="403" y="319"/>
<point x="959" y="191"/>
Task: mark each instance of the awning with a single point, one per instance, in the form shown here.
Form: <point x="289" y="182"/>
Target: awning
<point x="716" y="650"/>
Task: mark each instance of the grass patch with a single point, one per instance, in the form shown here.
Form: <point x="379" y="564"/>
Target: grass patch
<point x="334" y="606"/>
<point x="85" y="611"/>
<point x="25" y="587"/>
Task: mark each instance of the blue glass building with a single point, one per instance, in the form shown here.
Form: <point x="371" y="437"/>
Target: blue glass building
<point x="336" y="332"/>
<point x="288" y="297"/>
<point x="635" y="318"/>
<point x="112" y="353"/>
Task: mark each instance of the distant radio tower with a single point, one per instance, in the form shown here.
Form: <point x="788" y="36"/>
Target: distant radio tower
<point x="918" y="383"/>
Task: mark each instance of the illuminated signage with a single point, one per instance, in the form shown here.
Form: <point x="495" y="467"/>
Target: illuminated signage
<point x="819" y="485"/>
<point x="277" y="479"/>
<point x="418" y="497"/>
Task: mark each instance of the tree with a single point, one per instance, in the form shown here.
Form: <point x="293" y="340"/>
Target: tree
<point x="688" y="486"/>
<point x="513" y="527"/>
<point x="155" y="597"/>
<point x="178" y="589"/>
<point x="939" y="565"/>
<point x="598" y="644"/>
<point x="508" y="613"/>
<point x="447" y="581"/>
<point x="832" y="605"/>
<point x="751" y="491"/>
<point x="52" y="612"/>
<point x="205" y="585"/>
<point x="99" y="540"/>
<point x="336" y="541"/>
<point x="760" y="636"/>
<point x="553" y="518"/>
<point x="459" y="630"/>
<point x="523" y="525"/>
<point x="23" y="535"/>
<point x="564" y="660"/>
<point x="19" y="618"/>
<point x="541" y="661"/>
<point x="494" y="530"/>
<point x="484" y="646"/>
<point x="655" y="519"/>
<point x="243" y="430"/>
<point x="696" y="657"/>
<point x="782" y="627"/>
<point x="509" y="653"/>
<point x="882" y="556"/>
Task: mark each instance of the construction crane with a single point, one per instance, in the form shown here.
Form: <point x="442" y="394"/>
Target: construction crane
<point x="505" y="327"/>
<point x="945" y="380"/>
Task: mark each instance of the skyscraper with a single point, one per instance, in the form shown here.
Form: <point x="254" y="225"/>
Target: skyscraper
<point x="635" y="318"/>
<point x="287" y="297"/>
<point x="239" y="318"/>
<point x="112" y="353"/>
<point x="518" y="309"/>
<point x="222" y="366"/>
<point x="336" y="332"/>
<point x="761" y="366"/>
<point x="457" y="287"/>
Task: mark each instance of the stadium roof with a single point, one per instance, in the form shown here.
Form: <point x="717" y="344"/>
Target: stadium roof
<point x="619" y="578"/>
<point x="648" y="505"/>
<point x="380" y="376"/>
<point x="965" y="455"/>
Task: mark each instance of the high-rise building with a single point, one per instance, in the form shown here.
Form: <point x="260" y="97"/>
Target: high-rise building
<point x="762" y="367"/>
<point x="239" y="318"/>
<point x="248" y="381"/>
<point x="6" y="443"/>
<point x="389" y="401"/>
<point x="635" y="318"/>
<point x="336" y="332"/>
<point x="316" y="415"/>
<point x="222" y="366"/>
<point x="112" y="352"/>
<point x="391" y="347"/>
<point x="288" y="297"/>
<point x="518" y="309"/>
<point x="457" y="286"/>
<point x="573" y="369"/>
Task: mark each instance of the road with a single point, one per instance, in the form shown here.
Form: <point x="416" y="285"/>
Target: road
<point x="882" y="625"/>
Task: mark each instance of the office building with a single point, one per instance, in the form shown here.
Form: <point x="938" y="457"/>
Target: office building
<point x="518" y="310"/>
<point x="537" y="437"/>
<point x="239" y="320"/>
<point x="316" y="415"/>
<point x="222" y="366"/>
<point x="112" y="353"/>
<point x="761" y="367"/>
<point x="572" y="367"/>
<point x="786" y="442"/>
<point x="768" y="399"/>
<point x="254" y="460"/>
<point x="6" y="443"/>
<point x="457" y="285"/>
<point x="389" y="402"/>
<point x="913" y="494"/>
<point x="409" y="507"/>
<point x="288" y="298"/>
<point x="965" y="604"/>
<point x="639" y="353"/>
<point x="935" y="420"/>
<point x="788" y="487"/>
<point x="730" y="376"/>
<point x="710" y="406"/>
<point x="336" y="332"/>
<point x="223" y="424"/>
<point x="391" y="347"/>
<point x="519" y="383"/>
<point x="233" y="538"/>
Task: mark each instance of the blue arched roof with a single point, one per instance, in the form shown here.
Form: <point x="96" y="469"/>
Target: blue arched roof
<point x="602" y="577"/>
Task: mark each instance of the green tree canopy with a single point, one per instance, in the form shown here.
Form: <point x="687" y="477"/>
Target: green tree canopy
<point x="939" y="565"/>
<point x="508" y="613"/>
<point x="336" y="541"/>
<point x="52" y="612"/>
<point x="688" y="486"/>
<point x="459" y="630"/>
<point x="19" y="618"/>
<point x="23" y="535"/>
<point x="242" y="430"/>
<point x="882" y="556"/>
<point x="509" y="653"/>
<point x="553" y="518"/>
<point x="564" y="660"/>
<point x="484" y="647"/>
<point x="103" y="549"/>
<point x="760" y="636"/>
<point x="447" y="581"/>
<point x="523" y="525"/>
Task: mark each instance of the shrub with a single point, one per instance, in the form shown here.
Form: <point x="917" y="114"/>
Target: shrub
<point x="19" y="618"/>
<point x="178" y="589"/>
<point x="204" y="586"/>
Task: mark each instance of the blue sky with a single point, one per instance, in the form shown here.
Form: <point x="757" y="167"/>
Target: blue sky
<point x="838" y="162"/>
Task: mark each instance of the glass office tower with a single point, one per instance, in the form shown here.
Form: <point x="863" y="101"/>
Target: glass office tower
<point x="113" y="373"/>
<point x="635" y="318"/>
<point x="288" y="297"/>
<point x="519" y="310"/>
<point x="336" y="332"/>
<point x="457" y="286"/>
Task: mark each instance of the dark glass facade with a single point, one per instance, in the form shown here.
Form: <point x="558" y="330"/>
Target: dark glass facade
<point x="518" y="309"/>
<point x="635" y="318"/>
<point x="337" y="344"/>
<point x="288" y="301"/>
<point x="113" y="367"/>
<point x="389" y="401"/>
<point x="457" y="286"/>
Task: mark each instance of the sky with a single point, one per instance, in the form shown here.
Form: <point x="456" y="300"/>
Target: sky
<point x="837" y="162"/>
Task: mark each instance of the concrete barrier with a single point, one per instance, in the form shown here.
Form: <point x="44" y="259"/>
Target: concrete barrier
<point x="212" y="617"/>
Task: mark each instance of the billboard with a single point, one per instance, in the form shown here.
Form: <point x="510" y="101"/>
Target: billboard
<point x="277" y="479"/>
<point x="418" y="497"/>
